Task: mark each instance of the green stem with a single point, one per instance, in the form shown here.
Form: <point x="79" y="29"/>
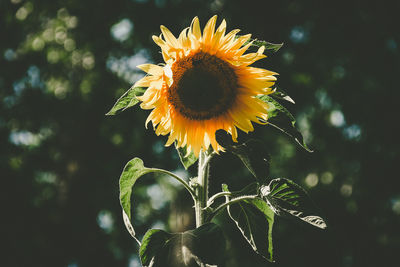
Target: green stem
<point x="201" y="190"/>
<point x="230" y="202"/>
<point x="217" y="195"/>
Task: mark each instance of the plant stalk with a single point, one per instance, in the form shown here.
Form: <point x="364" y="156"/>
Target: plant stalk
<point x="201" y="190"/>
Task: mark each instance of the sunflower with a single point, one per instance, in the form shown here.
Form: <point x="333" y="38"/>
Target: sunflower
<point x="206" y="84"/>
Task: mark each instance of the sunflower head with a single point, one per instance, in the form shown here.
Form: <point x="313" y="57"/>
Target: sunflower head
<point x="206" y="84"/>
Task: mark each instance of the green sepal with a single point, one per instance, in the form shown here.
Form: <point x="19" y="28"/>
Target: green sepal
<point x="287" y="198"/>
<point x="204" y="245"/>
<point x="187" y="160"/>
<point x="281" y="119"/>
<point x="127" y="100"/>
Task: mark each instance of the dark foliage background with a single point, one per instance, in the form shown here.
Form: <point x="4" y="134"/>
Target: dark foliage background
<point x="64" y="63"/>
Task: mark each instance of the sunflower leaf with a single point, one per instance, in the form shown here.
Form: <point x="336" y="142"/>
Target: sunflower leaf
<point x="187" y="160"/>
<point x="133" y="170"/>
<point x="287" y="198"/>
<point x="280" y="94"/>
<point x="267" y="45"/>
<point x="203" y="246"/>
<point x="152" y="242"/>
<point x="289" y="129"/>
<point x="127" y="100"/>
<point x="281" y="119"/>
<point x="255" y="219"/>
<point x="252" y="153"/>
<point x="275" y="108"/>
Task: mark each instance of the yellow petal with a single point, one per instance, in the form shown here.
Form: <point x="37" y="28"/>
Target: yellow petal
<point x="240" y="41"/>
<point x="195" y="28"/>
<point x="151" y="69"/>
<point x="160" y="42"/>
<point x="183" y="39"/>
<point x="144" y="82"/>
<point x="209" y="30"/>
<point x="169" y="37"/>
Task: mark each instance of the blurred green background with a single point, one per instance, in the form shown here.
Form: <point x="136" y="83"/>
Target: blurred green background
<point x="64" y="63"/>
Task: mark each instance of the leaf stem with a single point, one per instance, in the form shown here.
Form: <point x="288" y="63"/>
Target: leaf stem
<point x="183" y="182"/>
<point x="230" y="202"/>
<point x="217" y="195"/>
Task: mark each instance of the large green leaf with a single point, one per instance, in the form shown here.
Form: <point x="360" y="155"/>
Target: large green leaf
<point x="127" y="100"/>
<point x="287" y="198"/>
<point x="252" y="153"/>
<point x="187" y="160"/>
<point x="281" y="119"/>
<point x="153" y="242"/>
<point x="203" y="246"/>
<point x="255" y="219"/>
<point x="133" y="170"/>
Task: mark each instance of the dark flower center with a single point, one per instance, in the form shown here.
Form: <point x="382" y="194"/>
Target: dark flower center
<point x="204" y="86"/>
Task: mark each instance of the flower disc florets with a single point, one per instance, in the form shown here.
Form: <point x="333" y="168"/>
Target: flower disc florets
<point x="204" y="86"/>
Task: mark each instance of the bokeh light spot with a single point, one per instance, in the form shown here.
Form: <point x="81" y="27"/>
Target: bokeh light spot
<point x="157" y="196"/>
<point x="105" y="220"/>
<point x="53" y="56"/>
<point x="88" y="61"/>
<point x="125" y="67"/>
<point x="69" y="44"/>
<point x="134" y="261"/>
<point x="352" y="132"/>
<point x="338" y="72"/>
<point x="336" y="118"/>
<point x="10" y="55"/>
<point x="346" y="190"/>
<point x="45" y="177"/>
<point x="23" y="12"/>
<point x="48" y="35"/>
<point x="24" y="138"/>
<point x="391" y="45"/>
<point x="122" y="30"/>
<point x="396" y="206"/>
<point x="117" y="139"/>
<point x="58" y="87"/>
<point x="37" y="44"/>
<point x="327" y="178"/>
<point x="323" y="98"/>
<point x="311" y="180"/>
<point x="61" y="35"/>
<point x="71" y="22"/>
<point x="158" y="147"/>
<point x="299" y="35"/>
<point x="288" y="57"/>
<point x="15" y="163"/>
